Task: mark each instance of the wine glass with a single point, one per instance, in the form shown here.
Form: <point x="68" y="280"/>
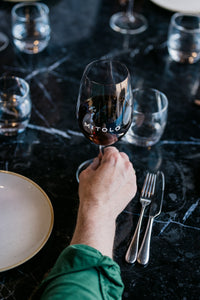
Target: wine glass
<point x="104" y="106"/>
<point x="128" y="22"/>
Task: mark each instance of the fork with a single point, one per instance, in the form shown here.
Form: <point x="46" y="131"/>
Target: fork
<point x="145" y="199"/>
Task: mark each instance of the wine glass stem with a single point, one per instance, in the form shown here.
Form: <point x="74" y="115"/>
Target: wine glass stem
<point x="130" y="8"/>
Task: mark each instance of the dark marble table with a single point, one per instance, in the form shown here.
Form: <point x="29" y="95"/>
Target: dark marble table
<point x="51" y="148"/>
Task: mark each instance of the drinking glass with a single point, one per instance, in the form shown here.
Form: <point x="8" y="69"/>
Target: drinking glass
<point x="104" y="106"/>
<point x="150" y="108"/>
<point x="15" y="105"/>
<point x="184" y="38"/>
<point x="128" y="22"/>
<point x="30" y="27"/>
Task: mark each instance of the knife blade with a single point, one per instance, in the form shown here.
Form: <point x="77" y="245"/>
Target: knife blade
<point x="156" y="204"/>
<point x="155" y="210"/>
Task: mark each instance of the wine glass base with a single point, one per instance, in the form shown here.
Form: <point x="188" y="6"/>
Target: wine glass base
<point x="82" y="167"/>
<point x="123" y="23"/>
<point x="3" y="41"/>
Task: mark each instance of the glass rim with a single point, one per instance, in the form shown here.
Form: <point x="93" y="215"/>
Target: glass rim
<point x="24" y="4"/>
<point x="106" y="60"/>
<point x="25" y="83"/>
<point x="164" y="97"/>
<point x="182" y="28"/>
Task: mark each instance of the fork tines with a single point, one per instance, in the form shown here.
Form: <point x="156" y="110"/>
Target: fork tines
<point x="149" y="185"/>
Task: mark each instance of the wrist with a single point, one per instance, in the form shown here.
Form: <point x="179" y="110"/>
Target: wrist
<point x="95" y="228"/>
<point x="97" y="208"/>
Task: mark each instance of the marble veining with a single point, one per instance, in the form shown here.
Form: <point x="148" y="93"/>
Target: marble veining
<point x="52" y="131"/>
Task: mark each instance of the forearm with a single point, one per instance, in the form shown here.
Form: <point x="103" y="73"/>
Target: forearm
<point x="96" y="229"/>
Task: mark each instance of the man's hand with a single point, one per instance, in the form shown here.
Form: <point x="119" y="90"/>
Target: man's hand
<point x="108" y="184"/>
<point x="105" y="188"/>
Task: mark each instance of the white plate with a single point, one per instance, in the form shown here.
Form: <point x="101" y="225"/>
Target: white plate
<point x="186" y="6"/>
<point x="26" y="219"/>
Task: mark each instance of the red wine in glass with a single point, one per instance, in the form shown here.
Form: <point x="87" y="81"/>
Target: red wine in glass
<point x="104" y="107"/>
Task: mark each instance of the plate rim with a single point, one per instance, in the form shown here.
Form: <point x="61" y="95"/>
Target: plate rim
<point x="50" y="227"/>
<point x="157" y="2"/>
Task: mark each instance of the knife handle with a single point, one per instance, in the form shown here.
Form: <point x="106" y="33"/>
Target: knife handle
<point x="143" y="255"/>
<point x="131" y="254"/>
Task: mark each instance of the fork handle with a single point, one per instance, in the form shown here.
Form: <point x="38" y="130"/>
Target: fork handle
<point x="131" y="254"/>
<point x="143" y="255"/>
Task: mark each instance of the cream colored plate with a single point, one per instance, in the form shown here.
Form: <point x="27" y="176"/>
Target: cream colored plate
<point x="26" y="219"/>
<point x="20" y="0"/>
<point x="186" y="6"/>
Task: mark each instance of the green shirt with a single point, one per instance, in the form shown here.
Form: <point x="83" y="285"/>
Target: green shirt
<point x="82" y="273"/>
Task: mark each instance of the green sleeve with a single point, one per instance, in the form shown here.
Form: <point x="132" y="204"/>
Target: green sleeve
<point x="82" y="273"/>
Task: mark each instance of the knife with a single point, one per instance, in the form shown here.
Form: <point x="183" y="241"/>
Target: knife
<point x="155" y="210"/>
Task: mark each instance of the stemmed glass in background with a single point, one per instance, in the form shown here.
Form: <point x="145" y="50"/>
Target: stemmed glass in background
<point x="104" y="106"/>
<point x="128" y="22"/>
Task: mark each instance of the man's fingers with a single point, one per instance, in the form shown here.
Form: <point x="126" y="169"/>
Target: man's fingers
<point x="94" y="165"/>
<point x="124" y="155"/>
<point x="110" y="149"/>
<point x="111" y="155"/>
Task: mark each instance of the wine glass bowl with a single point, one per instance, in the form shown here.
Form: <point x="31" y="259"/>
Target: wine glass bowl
<point x="104" y="106"/>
